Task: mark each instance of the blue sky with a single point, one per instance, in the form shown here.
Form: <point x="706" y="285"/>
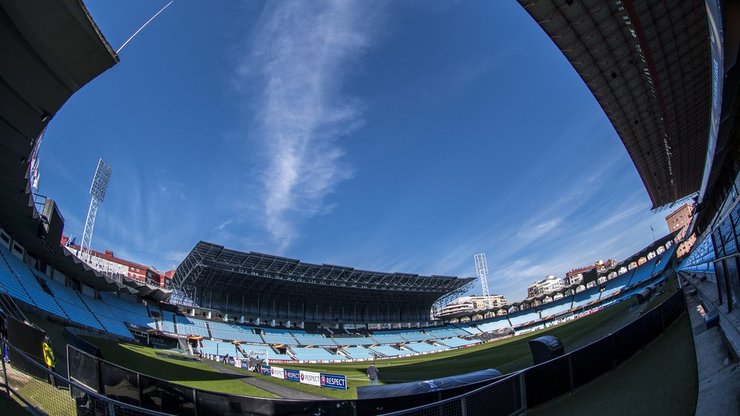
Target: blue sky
<point x="392" y="136"/>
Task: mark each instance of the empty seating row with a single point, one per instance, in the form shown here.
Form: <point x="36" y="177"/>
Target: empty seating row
<point x="358" y="353"/>
<point x="424" y="347"/>
<point x="107" y="317"/>
<point x="218" y="348"/>
<point x="443" y="332"/>
<point x="315" y="354"/>
<point x="416" y="336"/>
<point x="496" y="324"/>
<point x="354" y="341"/>
<point x="222" y="330"/>
<point x="390" y="351"/>
<point x="313" y="339"/>
<point x="556" y="307"/>
<point x="129" y="311"/>
<point x="186" y="329"/>
<point x="32" y="291"/>
<point x="457" y="342"/>
<point x="388" y="338"/>
<point x="279" y="338"/>
<point x="73" y="306"/>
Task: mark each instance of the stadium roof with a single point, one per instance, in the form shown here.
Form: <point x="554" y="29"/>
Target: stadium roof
<point x="49" y="51"/>
<point x="648" y="65"/>
<point x="211" y="265"/>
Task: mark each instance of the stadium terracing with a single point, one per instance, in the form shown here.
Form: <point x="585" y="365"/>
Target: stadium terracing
<point x="656" y="68"/>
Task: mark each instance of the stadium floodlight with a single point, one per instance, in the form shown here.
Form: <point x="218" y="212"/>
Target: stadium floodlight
<point x="97" y="195"/>
<point x="481" y="269"/>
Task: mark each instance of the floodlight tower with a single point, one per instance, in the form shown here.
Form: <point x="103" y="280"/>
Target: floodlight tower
<point x="481" y="269"/>
<point x="97" y="195"/>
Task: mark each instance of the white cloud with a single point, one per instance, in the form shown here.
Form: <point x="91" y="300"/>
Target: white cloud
<point x="298" y="57"/>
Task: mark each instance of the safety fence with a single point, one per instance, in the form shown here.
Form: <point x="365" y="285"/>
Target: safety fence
<point x="43" y="391"/>
<point x="535" y="385"/>
<point x="98" y="387"/>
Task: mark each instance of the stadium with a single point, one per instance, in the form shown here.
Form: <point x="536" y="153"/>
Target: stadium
<point x="234" y="332"/>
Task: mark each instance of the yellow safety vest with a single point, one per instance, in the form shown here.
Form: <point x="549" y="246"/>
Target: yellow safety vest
<point x="49" y="358"/>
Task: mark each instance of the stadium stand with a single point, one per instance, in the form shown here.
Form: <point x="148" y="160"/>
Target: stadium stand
<point x="233" y="332"/>
<point x="191" y="326"/>
<point x="388" y="338"/>
<point x="19" y="273"/>
<point x="442" y="333"/>
<point x="557" y="307"/>
<point x="354" y="341"/>
<point x="422" y="347"/>
<point x="472" y="330"/>
<point x="128" y="311"/>
<point x="615" y="285"/>
<point x="10" y="285"/>
<point x="184" y="329"/>
<point x="586" y="297"/>
<point x="168" y="322"/>
<point x="359" y="353"/>
<point x="274" y="338"/>
<point x="109" y="318"/>
<point x="390" y="351"/>
<point x="313" y="339"/>
<point x="494" y="325"/>
<point x="416" y="336"/>
<point x="218" y="348"/>
<point x="315" y="354"/>
<point x="523" y="317"/>
<point x="455" y="342"/>
<point x="73" y="306"/>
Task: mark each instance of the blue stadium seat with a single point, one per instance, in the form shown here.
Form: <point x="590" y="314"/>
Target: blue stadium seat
<point x="557" y="307"/>
<point x="523" y="317"/>
<point x="388" y="338"/>
<point x="455" y="342"/>
<point x="313" y="339"/>
<point x="424" y="347"/>
<point x="315" y="354"/>
<point x="354" y="341"/>
<point x="389" y="351"/>
<point x="73" y="306"/>
<point x="111" y="320"/>
<point x="495" y="324"/>
<point x="359" y="353"/>
<point x="226" y="331"/>
<point x="128" y="310"/>
<point x="586" y="297"/>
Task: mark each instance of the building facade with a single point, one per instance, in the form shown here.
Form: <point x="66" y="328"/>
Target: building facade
<point x="547" y="285"/>
<point x="107" y="263"/>
<point x="466" y="304"/>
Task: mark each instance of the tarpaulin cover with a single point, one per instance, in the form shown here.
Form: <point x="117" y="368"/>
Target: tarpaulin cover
<point x="425" y="386"/>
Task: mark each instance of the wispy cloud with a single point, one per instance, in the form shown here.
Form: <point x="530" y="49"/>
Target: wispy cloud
<point x="299" y="55"/>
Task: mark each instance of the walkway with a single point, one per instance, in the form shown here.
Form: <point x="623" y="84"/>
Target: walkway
<point x="277" y="389"/>
<point x="719" y="374"/>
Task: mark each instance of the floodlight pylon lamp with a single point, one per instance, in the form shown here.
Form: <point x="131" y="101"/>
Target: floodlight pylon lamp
<point x="97" y="195"/>
<point x="481" y="269"/>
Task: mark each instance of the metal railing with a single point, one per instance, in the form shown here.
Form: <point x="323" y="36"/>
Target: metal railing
<point x="538" y="384"/>
<point x="43" y="391"/>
